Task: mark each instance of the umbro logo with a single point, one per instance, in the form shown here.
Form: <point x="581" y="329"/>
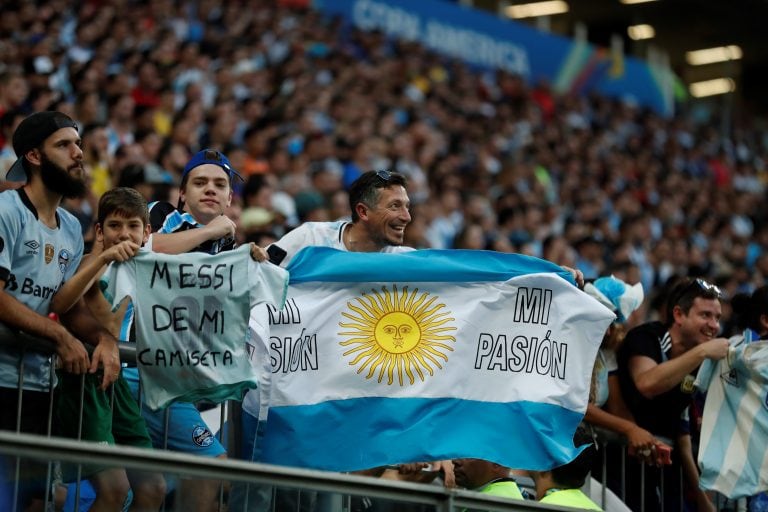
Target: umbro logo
<point x="32" y="246"/>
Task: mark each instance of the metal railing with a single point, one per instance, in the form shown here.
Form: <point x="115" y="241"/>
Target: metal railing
<point x="54" y="450"/>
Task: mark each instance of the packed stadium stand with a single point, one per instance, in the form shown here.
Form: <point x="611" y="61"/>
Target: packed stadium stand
<point x="303" y="103"/>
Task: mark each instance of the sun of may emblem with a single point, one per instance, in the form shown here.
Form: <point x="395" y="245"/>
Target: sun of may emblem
<point x="397" y="334"/>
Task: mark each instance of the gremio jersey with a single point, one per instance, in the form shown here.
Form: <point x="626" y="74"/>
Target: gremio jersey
<point x="34" y="261"/>
<point x="734" y="430"/>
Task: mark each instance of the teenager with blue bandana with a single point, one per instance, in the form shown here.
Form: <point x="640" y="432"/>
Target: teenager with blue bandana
<point x="198" y="224"/>
<point x="40" y="248"/>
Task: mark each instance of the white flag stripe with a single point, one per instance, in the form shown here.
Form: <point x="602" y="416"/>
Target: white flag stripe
<point x="537" y="361"/>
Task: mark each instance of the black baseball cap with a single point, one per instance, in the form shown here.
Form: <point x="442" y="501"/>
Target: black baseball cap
<point x="31" y="133"/>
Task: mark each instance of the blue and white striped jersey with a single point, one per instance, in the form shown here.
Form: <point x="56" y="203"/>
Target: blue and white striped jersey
<point x="734" y="431"/>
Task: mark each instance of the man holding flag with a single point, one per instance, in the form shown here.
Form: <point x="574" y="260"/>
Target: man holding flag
<point x="380" y="213"/>
<point x="411" y="348"/>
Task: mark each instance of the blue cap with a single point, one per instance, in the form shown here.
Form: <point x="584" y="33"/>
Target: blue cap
<point x="211" y="156"/>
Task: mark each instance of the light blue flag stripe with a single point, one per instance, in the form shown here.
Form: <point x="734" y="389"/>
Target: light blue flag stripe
<point x="440" y="429"/>
<point x="429" y="265"/>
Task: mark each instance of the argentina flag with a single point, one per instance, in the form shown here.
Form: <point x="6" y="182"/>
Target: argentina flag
<point x="381" y="359"/>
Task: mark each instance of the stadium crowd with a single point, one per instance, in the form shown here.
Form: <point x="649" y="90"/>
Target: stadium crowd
<point x="303" y="106"/>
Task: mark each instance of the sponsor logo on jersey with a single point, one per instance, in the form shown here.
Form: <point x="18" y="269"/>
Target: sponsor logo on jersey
<point x="28" y="286"/>
<point x="32" y="246"/>
<point x="202" y="437"/>
<point x="49" y="250"/>
<point x="65" y="258"/>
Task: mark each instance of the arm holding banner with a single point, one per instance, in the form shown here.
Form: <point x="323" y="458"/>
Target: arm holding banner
<point x="576" y="274"/>
<point x="638" y="439"/>
<point x="90" y="268"/>
<point x="185" y="241"/>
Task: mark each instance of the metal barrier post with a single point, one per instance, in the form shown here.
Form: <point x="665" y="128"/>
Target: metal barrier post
<point x="222" y="424"/>
<point x="642" y="487"/>
<point x="447" y="505"/>
<point x="604" y="476"/>
<point x="79" y="438"/>
<point x="19" y="399"/>
<point x="49" y="429"/>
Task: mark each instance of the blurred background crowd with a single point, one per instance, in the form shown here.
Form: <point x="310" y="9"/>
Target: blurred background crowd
<point x="302" y="105"/>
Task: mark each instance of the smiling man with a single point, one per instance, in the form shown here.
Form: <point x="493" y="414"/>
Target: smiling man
<point x="380" y="213"/>
<point x="657" y="366"/>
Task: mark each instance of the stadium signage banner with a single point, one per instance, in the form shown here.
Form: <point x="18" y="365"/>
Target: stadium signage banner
<point x="487" y="41"/>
